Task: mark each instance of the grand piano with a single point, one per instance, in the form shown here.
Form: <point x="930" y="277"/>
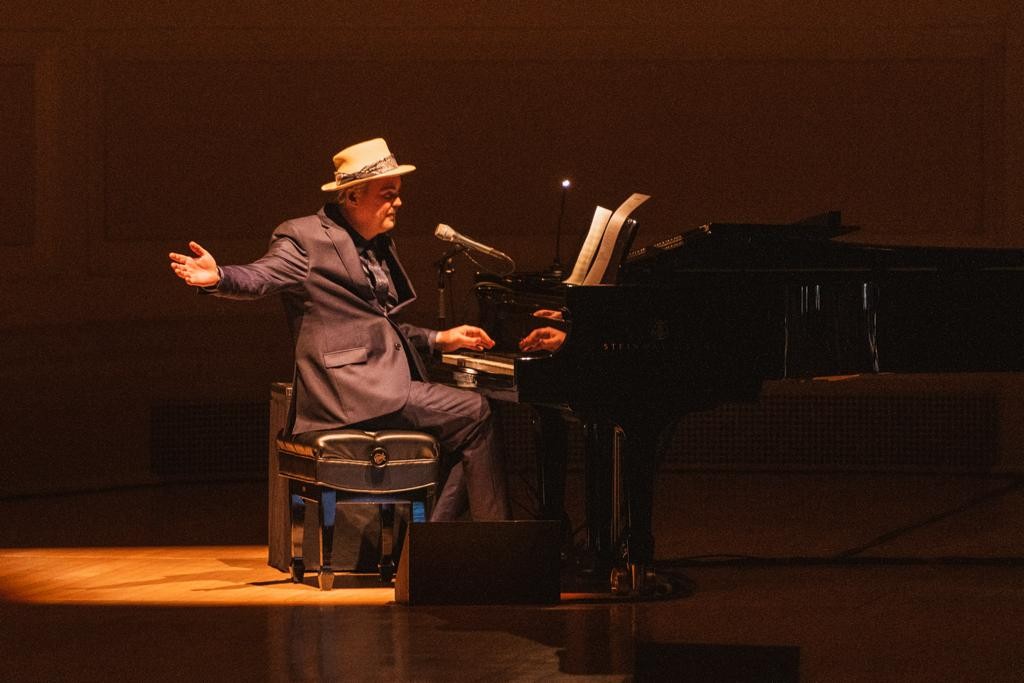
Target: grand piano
<point x="706" y="317"/>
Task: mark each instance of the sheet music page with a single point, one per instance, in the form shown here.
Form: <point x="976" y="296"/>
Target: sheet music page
<point x="611" y="236"/>
<point x="590" y="245"/>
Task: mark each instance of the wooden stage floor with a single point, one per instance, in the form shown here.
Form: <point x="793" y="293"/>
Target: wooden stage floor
<point x="824" y="577"/>
<point x="194" y="575"/>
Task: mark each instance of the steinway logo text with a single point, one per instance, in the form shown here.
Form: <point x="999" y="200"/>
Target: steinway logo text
<point x="657" y="341"/>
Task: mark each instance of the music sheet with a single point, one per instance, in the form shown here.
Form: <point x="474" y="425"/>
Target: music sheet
<point x="590" y="245"/>
<point x="611" y="237"/>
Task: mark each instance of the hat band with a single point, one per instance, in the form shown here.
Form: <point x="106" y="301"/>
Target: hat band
<point x="386" y="164"/>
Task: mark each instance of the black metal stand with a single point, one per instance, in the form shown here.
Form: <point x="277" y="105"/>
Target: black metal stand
<point x="445" y="270"/>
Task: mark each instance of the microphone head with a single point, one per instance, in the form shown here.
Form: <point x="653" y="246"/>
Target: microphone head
<point x="444" y="232"/>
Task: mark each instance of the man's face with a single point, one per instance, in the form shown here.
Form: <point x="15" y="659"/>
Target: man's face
<point x="373" y="212"/>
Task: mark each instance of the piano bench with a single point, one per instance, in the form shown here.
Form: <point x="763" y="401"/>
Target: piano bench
<point x="384" y="467"/>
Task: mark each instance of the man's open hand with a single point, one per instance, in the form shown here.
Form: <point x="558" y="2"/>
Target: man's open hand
<point x="198" y="271"/>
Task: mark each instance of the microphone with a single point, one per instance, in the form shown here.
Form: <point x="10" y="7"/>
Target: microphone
<point x="445" y="232"/>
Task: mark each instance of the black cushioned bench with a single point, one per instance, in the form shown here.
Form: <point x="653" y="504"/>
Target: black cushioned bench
<point x="386" y="467"/>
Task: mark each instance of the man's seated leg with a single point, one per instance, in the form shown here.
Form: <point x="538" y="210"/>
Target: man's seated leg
<point x="462" y="423"/>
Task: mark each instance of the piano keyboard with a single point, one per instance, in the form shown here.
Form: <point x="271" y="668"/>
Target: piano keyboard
<point x="490" y="363"/>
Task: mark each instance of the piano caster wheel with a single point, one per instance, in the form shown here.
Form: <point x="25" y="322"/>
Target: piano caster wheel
<point x="644" y="579"/>
<point x="387" y="569"/>
<point x="620" y="581"/>
<point x="298" y="569"/>
<point x="325" y="578"/>
<point x="637" y="580"/>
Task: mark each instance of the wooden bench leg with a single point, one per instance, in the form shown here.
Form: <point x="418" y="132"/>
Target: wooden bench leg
<point x="386" y="566"/>
<point x="297" y="516"/>
<point x="325" y="539"/>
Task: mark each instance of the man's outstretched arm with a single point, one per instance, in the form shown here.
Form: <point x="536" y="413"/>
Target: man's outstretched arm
<point x="284" y="265"/>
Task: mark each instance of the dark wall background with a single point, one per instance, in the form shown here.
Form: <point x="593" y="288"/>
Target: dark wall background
<point x="130" y="128"/>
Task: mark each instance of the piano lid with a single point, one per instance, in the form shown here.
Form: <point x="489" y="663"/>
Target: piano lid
<point x="813" y="229"/>
<point x="805" y="245"/>
<point x="822" y="227"/>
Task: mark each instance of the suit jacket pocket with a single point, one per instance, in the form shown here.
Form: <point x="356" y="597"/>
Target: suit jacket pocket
<point x="337" y="359"/>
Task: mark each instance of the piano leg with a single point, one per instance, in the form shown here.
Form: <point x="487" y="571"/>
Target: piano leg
<point x="553" y="444"/>
<point x="601" y="541"/>
<point x="552" y="432"/>
<point x="620" y="465"/>
<point x="605" y="495"/>
<point x="645" y="436"/>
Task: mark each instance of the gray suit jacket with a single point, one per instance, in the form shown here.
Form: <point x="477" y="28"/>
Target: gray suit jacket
<point x="353" y="362"/>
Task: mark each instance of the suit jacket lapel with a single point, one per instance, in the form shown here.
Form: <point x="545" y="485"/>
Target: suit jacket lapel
<point x="403" y="286"/>
<point x="346" y="251"/>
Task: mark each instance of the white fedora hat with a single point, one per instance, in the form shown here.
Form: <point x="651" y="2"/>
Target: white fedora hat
<point x="364" y="162"/>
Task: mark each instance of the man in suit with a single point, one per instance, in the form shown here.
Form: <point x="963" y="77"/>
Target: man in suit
<point x="339" y="276"/>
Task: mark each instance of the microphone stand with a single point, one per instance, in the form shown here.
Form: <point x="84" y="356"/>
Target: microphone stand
<point x="445" y="270"/>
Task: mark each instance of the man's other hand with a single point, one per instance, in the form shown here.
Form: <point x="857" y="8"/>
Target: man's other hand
<point x="463" y="337"/>
<point x="548" y="313"/>
<point x="198" y="271"/>
<point x="542" y="339"/>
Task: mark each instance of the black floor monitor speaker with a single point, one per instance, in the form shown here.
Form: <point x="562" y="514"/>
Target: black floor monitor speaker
<point x="478" y="563"/>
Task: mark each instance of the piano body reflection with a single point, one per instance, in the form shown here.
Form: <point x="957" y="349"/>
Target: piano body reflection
<point x="705" y="317"/>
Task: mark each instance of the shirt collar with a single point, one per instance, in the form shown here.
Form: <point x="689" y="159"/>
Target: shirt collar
<point x="378" y="245"/>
